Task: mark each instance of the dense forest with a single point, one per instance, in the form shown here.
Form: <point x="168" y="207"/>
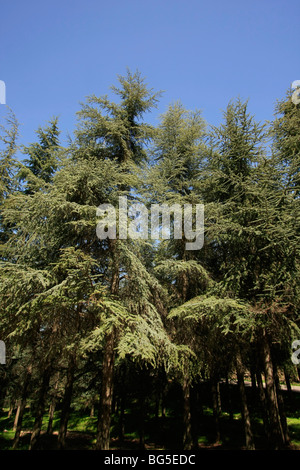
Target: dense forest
<point x="142" y="342"/>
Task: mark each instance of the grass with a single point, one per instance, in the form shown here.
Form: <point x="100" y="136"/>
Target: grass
<point x="294" y="429"/>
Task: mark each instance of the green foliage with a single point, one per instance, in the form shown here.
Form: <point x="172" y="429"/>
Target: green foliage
<point x="172" y="312"/>
<point x="227" y="315"/>
<point x="44" y="158"/>
<point x="286" y="145"/>
<point x="114" y="131"/>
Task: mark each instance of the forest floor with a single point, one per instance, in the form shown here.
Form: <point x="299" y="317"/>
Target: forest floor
<point x="161" y="433"/>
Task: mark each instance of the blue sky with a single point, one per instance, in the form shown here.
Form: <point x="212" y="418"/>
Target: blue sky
<point x="203" y="53"/>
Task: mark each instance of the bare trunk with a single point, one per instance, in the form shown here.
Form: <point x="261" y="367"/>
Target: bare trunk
<point x="22" y="407"/>
<point x="19" y="423"/>
<point x="106" y="396"/>
<point x="40" y="409"/>
<point x="216" y="407"/>
<point x="262" y="397"/>
<point x="122" y="418"/>
<point x="52" y="407"/>
<point x="281" y="408"/>
<point x="11" y="409"/>
<point x="253" y="381"/>
<point x="51" y="416"/>
<point x="287" y="380"/>
<point x="195" y="414"/>
<point x="229" y="397"/>
<point x="104" y="416"/>
<point x="277" y="437"/>
<point x="66" y="404"/>
<point x="187" y="421"/>
<point x="142" y="421"/>
<point x="17" y="415"/>
<point x="245" y="410"/>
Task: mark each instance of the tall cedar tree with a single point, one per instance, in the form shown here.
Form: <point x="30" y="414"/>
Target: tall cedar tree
<point x="110" y="291"/>
<point x="179" y="151"/>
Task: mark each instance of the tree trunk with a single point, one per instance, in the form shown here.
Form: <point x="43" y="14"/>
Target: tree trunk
<point x="164" y="391"/>
<point x="17" y="415"/>
<point x="106" y="395"/>
<point x="157" y="405"/>
<point x="281" y="408"/>
<point x="40" y="409"/>
<point x="195" y="415"/>
<point x="52" y="407"/>
<point x="51" y="416"/>
<point x="19" y="423"/>
<point x="262" y="397"/>
<point x="187" y="421"/>
<point x="66" y="404"/>
<point x="22" y="407"/>
<point x="122" y="418"/>
<point x="253" y="381"/>
<point x="216" y="408"/>
<point x="245" y="410"/>
<point x="229" y="398"/>
<point x="277" y="437"/>
<point x="287" y="381"/>
<point x="11" y="409"/>
<point x="104" y="416"/>
<point x="142" y="421"/>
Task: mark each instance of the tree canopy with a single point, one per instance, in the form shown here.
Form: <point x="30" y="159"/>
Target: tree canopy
<point x="128" y="320"/>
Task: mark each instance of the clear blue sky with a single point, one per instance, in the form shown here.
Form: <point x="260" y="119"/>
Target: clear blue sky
<point x="204" y="53"/>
